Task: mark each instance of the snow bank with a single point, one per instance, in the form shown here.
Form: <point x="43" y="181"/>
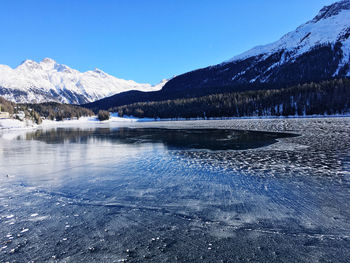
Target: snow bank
<point x="15" y="124"/>
<point x="12" y="124"/>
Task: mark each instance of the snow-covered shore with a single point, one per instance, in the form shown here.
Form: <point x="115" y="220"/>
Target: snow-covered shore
<point x="13" y="124"/>
<point x="268" y="123"/>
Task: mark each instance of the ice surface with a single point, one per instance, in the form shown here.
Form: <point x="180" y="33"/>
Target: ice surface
<point x="151" y="200"/>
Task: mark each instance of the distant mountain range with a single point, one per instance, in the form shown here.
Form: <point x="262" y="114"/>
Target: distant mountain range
<point x="33" y="82"/>
<point x="317" y="50"/>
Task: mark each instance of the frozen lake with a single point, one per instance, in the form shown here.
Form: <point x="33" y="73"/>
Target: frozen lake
<point x="117" y="194"/>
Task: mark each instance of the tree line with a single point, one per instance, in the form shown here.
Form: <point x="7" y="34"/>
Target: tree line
<point x="7" y="106"/>
<point x="58" y="111"/>
<point x="323" y="98"/>
<point x="49" y="110"/>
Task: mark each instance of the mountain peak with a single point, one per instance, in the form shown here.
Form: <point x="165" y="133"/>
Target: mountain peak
<point x="50" y="81"/>
<point x="27" y="62"/>
<point x="99" y="71"/>
<point x="48" y="61"/>
<point x="332" y="10"/>
<point x="28" y="65"/>
<point x="331" y="24"/>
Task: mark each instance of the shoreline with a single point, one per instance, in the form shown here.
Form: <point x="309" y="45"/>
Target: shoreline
<point x="319" y="135"/>
<point x="9" y="125"/>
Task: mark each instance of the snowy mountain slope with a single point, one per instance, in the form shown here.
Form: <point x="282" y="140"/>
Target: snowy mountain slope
<point x="329" y="26"/>
<point x="316" y="50"/>
<point x="50" y="81"/>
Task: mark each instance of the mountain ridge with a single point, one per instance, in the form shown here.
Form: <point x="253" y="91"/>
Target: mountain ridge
<point x="48" y="80"/>
<point x="315" y="51"/>
<point x="329" y="26"/>
<point x="328" y="32"/>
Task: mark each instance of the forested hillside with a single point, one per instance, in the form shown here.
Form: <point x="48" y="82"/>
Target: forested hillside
<point x="50" y="110"/>
<point x="58" y="111"/>
<point x="326" y="97"/>
<point x="7" y="106"/>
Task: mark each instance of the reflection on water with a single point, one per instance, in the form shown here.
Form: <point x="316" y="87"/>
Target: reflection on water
<point x="211" y="139"/>
<point x="159" y="195"/>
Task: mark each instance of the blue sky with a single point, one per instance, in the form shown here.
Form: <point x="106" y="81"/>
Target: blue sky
<point x="144" y="40"/>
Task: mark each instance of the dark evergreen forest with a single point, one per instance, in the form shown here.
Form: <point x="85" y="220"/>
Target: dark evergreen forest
<point x="50" y="110"/>
<point x="323" y="98"/>
<point x="58" y="111"/>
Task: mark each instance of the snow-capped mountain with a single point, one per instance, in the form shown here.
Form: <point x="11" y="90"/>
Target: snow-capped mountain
<point x="316" y="50"/>
<point x="50" y="81"/>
